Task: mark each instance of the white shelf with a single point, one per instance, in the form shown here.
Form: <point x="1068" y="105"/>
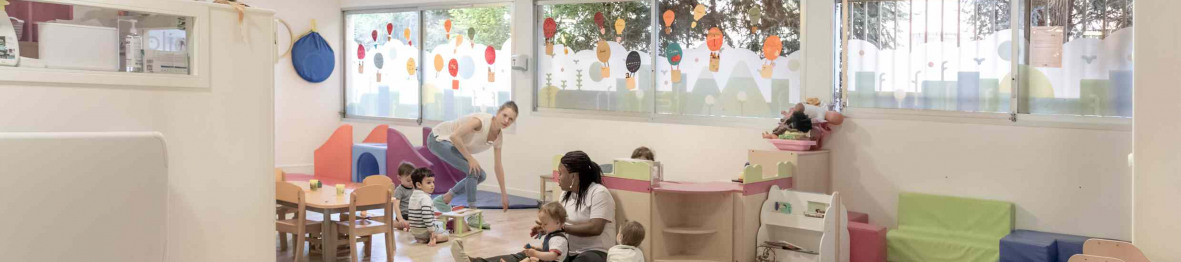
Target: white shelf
<point x="198" y="41"/>
<point x="690" y="231"/>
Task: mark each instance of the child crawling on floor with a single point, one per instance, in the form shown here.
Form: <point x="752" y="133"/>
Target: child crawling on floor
<point x="554" y="244"/>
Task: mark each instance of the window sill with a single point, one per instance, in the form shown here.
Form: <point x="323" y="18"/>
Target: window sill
<point x="1027" y="120"/>
<point x="716" y="121"/>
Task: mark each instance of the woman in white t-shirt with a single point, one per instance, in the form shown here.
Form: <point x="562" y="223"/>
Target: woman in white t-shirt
<point x="457" y="140"/>
<point x="589" y="207"/>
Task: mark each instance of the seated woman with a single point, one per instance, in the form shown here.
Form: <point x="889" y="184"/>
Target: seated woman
<point x="589" y="207"/>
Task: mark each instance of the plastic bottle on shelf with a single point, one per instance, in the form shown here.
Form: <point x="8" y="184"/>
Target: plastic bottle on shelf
<point x="133" y="57"/>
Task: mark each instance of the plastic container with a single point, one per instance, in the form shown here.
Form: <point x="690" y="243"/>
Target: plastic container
<point x="83" y="47"/>
<point x="792" y="145"/>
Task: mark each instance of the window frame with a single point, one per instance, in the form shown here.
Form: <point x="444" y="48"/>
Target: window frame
<point x="421" y="10"/>
<point x="652" y="116"/>
<point x="1016" y="116"/>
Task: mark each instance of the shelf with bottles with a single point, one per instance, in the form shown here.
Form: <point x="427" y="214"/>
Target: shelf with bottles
<point x="113" y="42"/>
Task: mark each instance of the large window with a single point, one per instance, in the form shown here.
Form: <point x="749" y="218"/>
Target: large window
<point x="1073" y="57"/>
<point x="429" y="65"/>
<point x="722" y="58"/>
<point x="595" y="56"/>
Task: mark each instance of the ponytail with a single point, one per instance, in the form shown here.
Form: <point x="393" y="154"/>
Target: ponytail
<point x="588" y="172"/>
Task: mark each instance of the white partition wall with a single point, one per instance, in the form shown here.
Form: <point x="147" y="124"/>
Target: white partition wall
<point x="83" y="196"/>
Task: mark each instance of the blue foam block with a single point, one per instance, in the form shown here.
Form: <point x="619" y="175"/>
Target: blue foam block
<point x="368" y="160"/>
<point x="1030" y="246"/>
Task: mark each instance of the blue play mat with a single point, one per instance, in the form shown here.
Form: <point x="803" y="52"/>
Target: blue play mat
<point x="490" y="200"/>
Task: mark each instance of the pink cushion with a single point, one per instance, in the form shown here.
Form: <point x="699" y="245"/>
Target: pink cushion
<point x="858" y="217"/>
<point x="867" y="243"/>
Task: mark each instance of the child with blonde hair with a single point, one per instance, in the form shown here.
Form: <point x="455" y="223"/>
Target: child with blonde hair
<point x="554" y="244"/>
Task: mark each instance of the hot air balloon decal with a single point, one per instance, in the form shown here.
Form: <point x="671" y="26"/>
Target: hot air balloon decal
<point x="360" y="58"/>
<point x="447" y="27"/>
<point x="389" y="32"/>
<point x="603" y="52"/>
<point x="379" y="62"/>
<point x="754" y="14"/>
<point x="471" y="36"/>
<point x="714" y="41"/>
<point x="669" y="16"/>
<point x="599" y="20"/>
<point x="411" y="68"/>
<point x="490" y="57"/>
<point x="458" y="41"/>
<point x="619" y="25"/>
<point x="771" y="48"/>
<point x="374" y="39"/>
<point x="633" y="64"/>
<point x="698" y="13"/>
<point x="549" y="27"/>
<point x="453" y="68"/>
<point x="674" y="54"/>
<point x="406" y="33"/>
<point x="438" y="65"/>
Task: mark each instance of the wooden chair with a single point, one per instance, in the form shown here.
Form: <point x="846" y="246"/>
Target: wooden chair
<point x="1092" y="258"/>
<point x="1114" y="249"/>
<point x="365" y="198"/>
<point x="300" y="225"/>
<point x="280" y="210"/>
<point x="378" y="180"/>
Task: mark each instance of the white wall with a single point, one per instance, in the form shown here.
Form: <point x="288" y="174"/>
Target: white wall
<point x="219" y="140"/>
<point x="1062" y="180"/>
<point x="305" y="113"/>
<point x="1158" y="160"/>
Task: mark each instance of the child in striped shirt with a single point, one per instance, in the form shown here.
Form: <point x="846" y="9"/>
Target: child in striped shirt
<point x="421" y="213"/>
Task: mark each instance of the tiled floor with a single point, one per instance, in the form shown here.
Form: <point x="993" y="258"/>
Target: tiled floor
<point x="509" y="234"/>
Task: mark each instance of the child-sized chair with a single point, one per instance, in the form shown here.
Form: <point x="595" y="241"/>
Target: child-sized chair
<point x="367" y="198"/>
<point x="300" y="225"/>
<point x="381" y="180"/>
<point x="1114" y="249"/>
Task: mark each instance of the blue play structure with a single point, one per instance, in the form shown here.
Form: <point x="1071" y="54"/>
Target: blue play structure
<point x="368" y="160"/>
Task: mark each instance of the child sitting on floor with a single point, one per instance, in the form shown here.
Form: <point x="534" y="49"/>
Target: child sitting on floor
<point x="421" y="213"/>
<point x="643" y="153"/>
<point x="554" y="246"/>
<point x="404" y="190"/>
<point x="631" y="234"/>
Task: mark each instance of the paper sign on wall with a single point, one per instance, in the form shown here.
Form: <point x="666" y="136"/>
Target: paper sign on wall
<point x="1046" y="46"/>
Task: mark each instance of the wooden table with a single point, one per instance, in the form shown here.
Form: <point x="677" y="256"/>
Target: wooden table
<point x="325" y="201"/>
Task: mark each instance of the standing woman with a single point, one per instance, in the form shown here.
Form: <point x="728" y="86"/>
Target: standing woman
<point x="456" y="141"/>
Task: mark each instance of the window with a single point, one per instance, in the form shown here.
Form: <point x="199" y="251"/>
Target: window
<point x="729" y="58"/>
<point x="468" y="49"/>
<point x="929" y="54"/>
<point x="1081" y="55"/>
<point x="1073" y="57"/>
<point x="381" y="65"/>
<point x="599" y="56"/>
<point x="427" y="64"/>
<point x="595" y="56"/>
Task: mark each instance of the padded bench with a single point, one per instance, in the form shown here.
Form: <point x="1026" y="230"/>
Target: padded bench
<point x="1035" y="246"/>
<point x="934" y="228"/>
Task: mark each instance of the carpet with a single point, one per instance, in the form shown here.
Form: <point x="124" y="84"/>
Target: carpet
<point x="490" y="200"/>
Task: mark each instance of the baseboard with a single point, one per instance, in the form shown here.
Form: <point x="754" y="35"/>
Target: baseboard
<point x="298" y="169"/>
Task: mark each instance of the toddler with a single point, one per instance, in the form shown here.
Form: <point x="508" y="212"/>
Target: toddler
<point x="421" y="214"/>
<point x="631" y="234"/>
<point x="554" y="244"/>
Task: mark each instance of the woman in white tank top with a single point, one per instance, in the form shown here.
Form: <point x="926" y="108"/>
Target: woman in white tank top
<point x="457" y="140"/>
